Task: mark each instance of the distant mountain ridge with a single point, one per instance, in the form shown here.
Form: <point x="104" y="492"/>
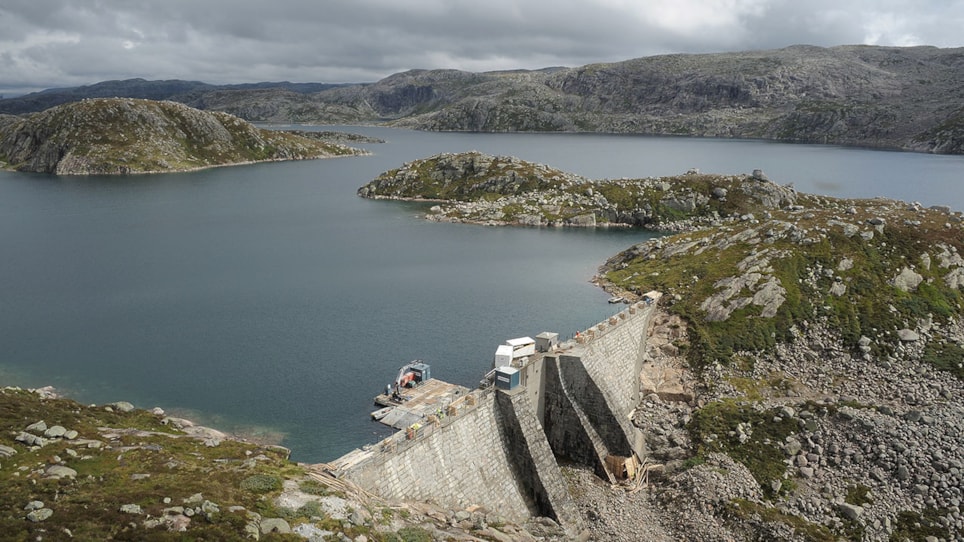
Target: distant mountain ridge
<point x="909" y="98"/>
<point x="172" y="89"/>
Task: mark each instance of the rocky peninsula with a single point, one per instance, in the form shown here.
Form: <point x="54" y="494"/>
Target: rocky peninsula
<point x="110" y="136"/>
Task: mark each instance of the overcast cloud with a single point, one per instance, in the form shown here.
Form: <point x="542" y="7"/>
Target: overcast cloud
<point x="56" y="43"/>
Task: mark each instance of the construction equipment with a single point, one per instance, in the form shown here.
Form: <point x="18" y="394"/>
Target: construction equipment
<point x="411" y="375"/>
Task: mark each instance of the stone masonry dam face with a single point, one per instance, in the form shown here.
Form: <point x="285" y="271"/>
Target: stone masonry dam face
<point x="499" y="448"/>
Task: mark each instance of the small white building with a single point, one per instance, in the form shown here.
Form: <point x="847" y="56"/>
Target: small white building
<point x="547" y="341"/>
<point x="522" y="347"/>
<point x="503" y="356"/>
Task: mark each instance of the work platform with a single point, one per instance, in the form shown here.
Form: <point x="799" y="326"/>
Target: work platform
<point x="428" y="398"/>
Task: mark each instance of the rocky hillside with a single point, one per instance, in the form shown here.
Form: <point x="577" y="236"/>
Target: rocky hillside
<point x="889" y="97"/>
<point x="824" y="346"/>
<point x="804" y="379"/>
<point x="907" y="98"/>
<point x="119" y="136"/>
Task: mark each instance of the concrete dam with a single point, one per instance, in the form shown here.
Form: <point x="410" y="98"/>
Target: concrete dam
<point x="498" y="448"/>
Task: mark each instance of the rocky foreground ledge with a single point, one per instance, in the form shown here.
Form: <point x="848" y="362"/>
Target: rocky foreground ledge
<point x="116" y="472"/>
<point x="805" y="377"/>
<point x="122" y="136"/>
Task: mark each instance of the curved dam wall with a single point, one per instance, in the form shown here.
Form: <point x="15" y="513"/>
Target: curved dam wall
<point x="492" y="454"/>
<point x="499" y="449"/>
<point x="590" y="390"/>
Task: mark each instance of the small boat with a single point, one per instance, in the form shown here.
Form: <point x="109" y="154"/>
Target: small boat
<point x="617" y="299"/>
<point x="381" y="413"/>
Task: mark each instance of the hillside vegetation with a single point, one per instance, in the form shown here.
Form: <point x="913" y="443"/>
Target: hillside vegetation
<point x="119" y="136"/>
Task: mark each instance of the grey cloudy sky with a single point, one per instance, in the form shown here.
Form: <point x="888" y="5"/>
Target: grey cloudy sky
<point x="52" y="43"/>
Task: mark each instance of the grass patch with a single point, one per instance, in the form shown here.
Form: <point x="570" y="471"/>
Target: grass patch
<point x="714" y="428"/>
<point x="945" y="356"/>
<point x="810" y="532"/>
<point x="858" y="495"/>
<point x="914" y="526"/>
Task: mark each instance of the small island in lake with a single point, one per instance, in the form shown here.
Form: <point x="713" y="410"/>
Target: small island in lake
<point x="109" y="136"/>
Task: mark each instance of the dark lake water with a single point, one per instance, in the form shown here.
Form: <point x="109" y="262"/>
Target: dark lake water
<point x="270" y="300"/>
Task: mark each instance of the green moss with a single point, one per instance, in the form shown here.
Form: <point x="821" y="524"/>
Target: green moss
<point x="713" y="428"/>
<point x="261" y="483"/>
<point x="810" y="532"/>
<point x="911" y="525"/>
<point x="946" y="356"/>
<point x="858" y="495"/>
<point x="314" y="487"/>
<point x="414" y="534"/>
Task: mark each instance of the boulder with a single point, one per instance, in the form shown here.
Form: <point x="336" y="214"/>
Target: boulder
<point x="122" y="406"/>
<point x="908" y="335"/>
<point x="55" y="431"/>
<point x="907" y="280"/>
<point x="40" y="514"/>
<point x="274" y="525"/>
<point x="131" y="509"/>
<point x="60" y="471"/>
<point x="850" y="511"/>
<point x="37" y="427"/>
<point x="31" y="439"/>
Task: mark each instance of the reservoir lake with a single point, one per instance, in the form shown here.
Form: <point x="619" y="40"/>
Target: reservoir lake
<point x="270" y="301"/>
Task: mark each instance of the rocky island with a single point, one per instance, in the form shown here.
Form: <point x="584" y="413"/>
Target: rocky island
<point x="111" y="136"/>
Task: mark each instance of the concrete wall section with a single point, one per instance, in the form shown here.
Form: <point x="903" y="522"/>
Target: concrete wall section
<point x="602" y="415"/>
<point x="530" y="457"/>
<point x="568" y="430"/>
<point x="613" y="358"/>
<point x="462" y="463"/>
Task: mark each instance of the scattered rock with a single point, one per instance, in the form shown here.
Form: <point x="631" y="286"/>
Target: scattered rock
<point x="37" y="427"/>
<point x="122" y="406"/>
<point x="40" y="514"/>
<point x="850" y="511"/>
<point x="55" y="431"/>
<point x="908" y="335"/>
<point x="131" y="509"/>
<point x="759" y="175"/>
<point x="907" y="280"/>
<point x="274" y="525"/>
<point x="60" y="471"/>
